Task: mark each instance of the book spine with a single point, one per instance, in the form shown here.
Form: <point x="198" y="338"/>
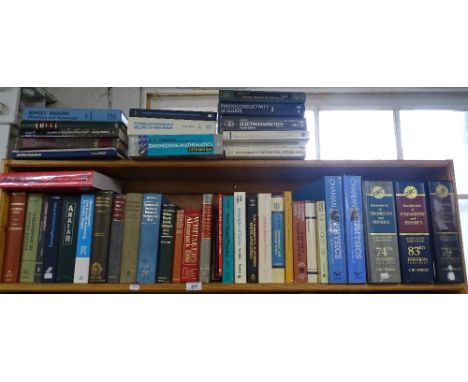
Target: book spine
<point x="178" y="246"/>
<point x="154" y="146"/>
<point x="69" y="114"/>
<point x="149" y="239"/>
<point x="68" y="239"/>
<point x="261" y="124"/>
<point x="354" y="225"/>
<point x="131" y="238"/>
<point x="262" y="109"/>
<point x="14" y="237"/>
<point x="265" y="261"/>
<point x="261" y="96"/>
<point x="322" y="242"/>
<point x="252" y="239"/>
<point x="49" y="269"/>
<point x="253" y="152"/>
<point x="85" y="236"/>
<point x="220" y="236"/>
<point x="271" y="137"/>
<point x="240" y="250"/>
<point x="228" y="239"/>
<point x="300" y="242"/>
<point x="63" y="144"/>
<point x="288" y="238"/>
<point x="163" y="126"/>
<point x="101" y="236"/>
<point x="446" y="232"/>
<point x="214" y="267"/>
<point x="174" y="114"/>
<point x="42" y="239"/>
<point x="116" y="238"/>
<point x="382" y="243"/>
<point x="206" y="231"/>
<point x="336" y="242"/>
<point x="277" y="239"/>
<point x="166" y="243"/>
<point x="107" y="153"/>
<point x="112" y="131"/>
<point x="62" y="179"/>
<point x="311" y="241"/>
<point x="30" y="237"/>
<point x="190" y="270"/>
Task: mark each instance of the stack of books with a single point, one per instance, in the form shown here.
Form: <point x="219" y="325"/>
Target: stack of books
<point x="263" y="125"/>
<point x="173" y="133"/>
<point x="66" y="133"/>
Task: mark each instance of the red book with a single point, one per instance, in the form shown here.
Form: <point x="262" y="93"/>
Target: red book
<point x="83" y="180"/>
<point x="300" y="243"/>
<point x="220" y="235"/>
<point x="14" y="237"/>
<point x="190" y="269"/>
<point x="178" y="246"/>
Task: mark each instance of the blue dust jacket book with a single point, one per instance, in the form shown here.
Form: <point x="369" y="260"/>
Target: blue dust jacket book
<point x="73" y="115"/>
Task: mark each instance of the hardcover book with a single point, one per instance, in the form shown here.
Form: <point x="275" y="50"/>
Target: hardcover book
<point x="104" y="153"/>
<point x="86" y="130"/>
<point x="259" y="124"/>
<point x="166" y="243"/>
<point x="101" y="236"/>
<point x="42" y="239"/>
<point x="261" y="96"/>
<point x="252" y="239"/>
<point x="383" y="260"/>
<point x="68" y="239"/>
<point x="178" y="246"/>
<point x="311" y="241"/>
<point x="240" y="249"/>
<point x="228" y="239"/>
<point x="300" y="242"/>
<point x="265" y="260"/>
<point x="214" y="274"/>
<point x="288" y="238"/>
<point x="262" y="109"/>
<point x="206" y="231"/>
<point x="280" y="138"/>
<point x="65" y="144"/>
<point x="277" y="239"/>
<point x="174" y="114"/>
<point x="85" y="237"/>
<point x="190" y="270"/>
<point x="14" y="237"/>
<point x="49" y="268"/>
<point x="116" y="238"/>
<point x="74" y="115"/>
<point x="220" y="236"/>
<point x="163" y="126"/>
<point x="447" y="246"/>
<point x="264" y="151"/>
<point x="322" y="242"/>
<point x="31" y="237"/>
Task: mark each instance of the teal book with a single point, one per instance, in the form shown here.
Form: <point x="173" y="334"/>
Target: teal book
<point x="228" y="239"/>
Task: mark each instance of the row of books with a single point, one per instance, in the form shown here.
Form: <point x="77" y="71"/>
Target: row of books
<point x="335" y="230"/>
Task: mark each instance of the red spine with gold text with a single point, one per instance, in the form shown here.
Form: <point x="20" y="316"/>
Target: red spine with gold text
<point x="190" y="268"/>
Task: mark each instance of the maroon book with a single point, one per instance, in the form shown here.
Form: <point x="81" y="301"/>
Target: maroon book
<point x="190" y="269"/>
<point x="299" y="241"/>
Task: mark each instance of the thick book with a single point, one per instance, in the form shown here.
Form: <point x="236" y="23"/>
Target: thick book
<point x="214" y="259"/>
<point x="14" y="237"/>
<point x="68" y="239"/>
<point x="414" y="240"/>
<point x="163" y="126"/>
<point x="311" y="241"/>
<point x="206" y="232"/>
<point x="330" y="189"/>
<point x="149" y="239"/>
<point x="288" y="238"/>
<point x="354" y="226"/>
<point x="63" y="130"/>
<point x="252" y="239"/>
<point x="178" y="246"/>
<point x="79" y="180"/>
<point x="31" y="237"/>
<point x="240" y="245"/>
<point x="448" y="254"/>
<point x="261" y="96"/>
<point x="190" y="270"/>
<point x="174" y="114"/>
<point x="104" y="153"/>
<point x="278" y="138"/>
<point x="131" y="238"/>
<point x="277" y="239"/>
<point x="166" y="243"/>
<point x="116" y="238"/>
<point x="228" y="239"/>
<point x="65" y="144"/>
<point x="156" y="146"/>
<point x="73" y="115"/>
<point x="264" y="151"/>
<point x="85" y="238"/>
<point x="42" y="239"/>
<point x="265" y="261"/>
<point x="300" y="242"/>
<point x="322" y="251"/>
<point x="52" y="239"/>
<point x="261" y="124"/>
<point x="383" y="260"/>
<point x="262" y="109"/>
<point x="101" y="236"/>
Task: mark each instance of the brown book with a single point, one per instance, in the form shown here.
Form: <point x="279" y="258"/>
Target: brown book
<point x="178" y="246"/>
<point x="190" y="270"/>
<point x="14" y="237"/>
<point x="300" y="244"/>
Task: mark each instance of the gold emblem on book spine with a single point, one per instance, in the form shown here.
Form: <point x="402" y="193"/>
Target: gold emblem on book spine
<point x="410" y="192"/>
<point x="442" y="191"/>
<point x="378" y="192"/>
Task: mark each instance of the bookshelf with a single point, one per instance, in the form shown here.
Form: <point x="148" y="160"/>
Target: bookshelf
<point x="184" y="181"/>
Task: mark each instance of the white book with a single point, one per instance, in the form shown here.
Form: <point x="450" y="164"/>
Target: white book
<point x="277" y="207"/>
<point x="299" y="138"/>
<point x="240" y="248"/>
<point x="265" y="267"/>
<point x="311" y="240"/>
<point x="322" y="243"/>
<point x="163" y="126"/>
<point x="264" y="151"/>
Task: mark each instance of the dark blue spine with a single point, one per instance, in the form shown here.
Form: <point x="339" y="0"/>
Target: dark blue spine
<point x="262" y="109"/>
<point x="175" y="114"/>
<point x="49" y="268"/>
<point x="110" y="153"/>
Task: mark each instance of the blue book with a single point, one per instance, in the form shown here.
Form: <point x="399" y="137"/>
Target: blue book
<point x="73" y="115"/>
<point x="228" y="239"/>
<point x="330" y="189"/>
<point x="262" y="109"/>
<point x="106" y="153"/>
<point x="154" y="146"/>
<point x="354" y="225"/>
<point x="52" y="239"/>
<point x="149" y="239"/>
<point x="85" y="235"/>
<point x="277" y="234"/>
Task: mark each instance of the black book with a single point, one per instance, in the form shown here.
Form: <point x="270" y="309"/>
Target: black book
<point x="116" y="239"/>
<point x="214" y="263"/>
<point x="252" y="239"/>
<point x="166" y="243"/>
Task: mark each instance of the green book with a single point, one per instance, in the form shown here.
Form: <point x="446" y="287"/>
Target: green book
<point x="131" y="238"/>
<point x="31" y="237"/>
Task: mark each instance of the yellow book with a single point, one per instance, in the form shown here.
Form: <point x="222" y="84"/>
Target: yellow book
<point x="288" y="238"/>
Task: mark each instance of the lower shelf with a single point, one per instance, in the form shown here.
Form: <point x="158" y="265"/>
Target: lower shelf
<point x="232" y="288"/>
